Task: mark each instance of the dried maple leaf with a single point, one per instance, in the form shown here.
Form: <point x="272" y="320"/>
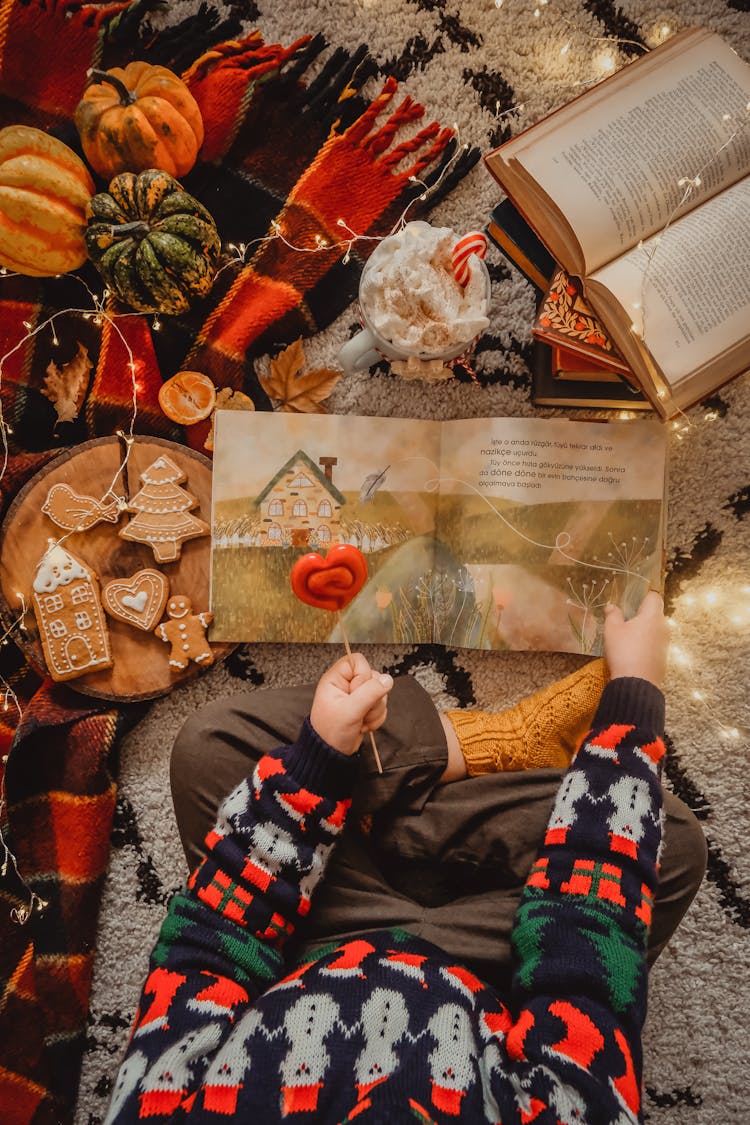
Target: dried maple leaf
<point x="227" y="399"/>
<point x="66" y="386"/>
<point x="298" y="393"/>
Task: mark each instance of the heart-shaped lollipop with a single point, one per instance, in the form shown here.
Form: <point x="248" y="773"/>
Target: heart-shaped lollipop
<point x="330" y="582"/>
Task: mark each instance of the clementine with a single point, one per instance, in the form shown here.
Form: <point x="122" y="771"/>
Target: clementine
<point x="188" y="397"/>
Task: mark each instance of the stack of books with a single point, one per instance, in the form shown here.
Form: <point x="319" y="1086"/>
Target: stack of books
<point x="628" y="210"/>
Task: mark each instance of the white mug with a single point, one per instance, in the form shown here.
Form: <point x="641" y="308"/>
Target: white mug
<point x="368" y="347"/>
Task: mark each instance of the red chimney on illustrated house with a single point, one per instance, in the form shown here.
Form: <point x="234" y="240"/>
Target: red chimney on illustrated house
<point x="328" y="463"/>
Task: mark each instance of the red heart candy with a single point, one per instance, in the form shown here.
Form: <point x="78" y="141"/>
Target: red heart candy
<point x="330" y="582"/>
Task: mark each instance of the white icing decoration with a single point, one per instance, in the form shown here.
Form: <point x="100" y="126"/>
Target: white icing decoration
<point x="57" y="568"/>
<point x="136" y="601"/>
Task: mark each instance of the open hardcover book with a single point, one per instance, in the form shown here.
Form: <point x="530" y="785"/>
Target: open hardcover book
<point x="499" y="533"/>
<point x="640" y="187"/>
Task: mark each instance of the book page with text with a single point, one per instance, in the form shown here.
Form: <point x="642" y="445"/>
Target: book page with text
<point x="688" y="290"/>
<point x="550" y="519"/>
<point x="613" y="167"/>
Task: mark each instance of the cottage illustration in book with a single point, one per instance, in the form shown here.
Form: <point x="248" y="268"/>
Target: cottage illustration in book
<point x="300" y="505"/>
<point x="504" y="533"/>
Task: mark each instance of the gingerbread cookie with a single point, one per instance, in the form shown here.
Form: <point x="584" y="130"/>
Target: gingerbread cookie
<point x="77" y="513"/>
<point x="72" y="626"/>
<point x="163" y="518"/>
<point x="186" y="633"/>
<point x="138" y="600"/>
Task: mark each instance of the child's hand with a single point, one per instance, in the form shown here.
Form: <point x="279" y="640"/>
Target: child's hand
<point x="638" y="647"/>
<point x="347" y="703"/>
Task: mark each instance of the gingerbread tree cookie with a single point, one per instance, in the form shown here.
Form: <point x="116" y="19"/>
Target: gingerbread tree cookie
<point x="162" y="508"/>
<point x="186" y="633"/>
<point x="71" y="622"/>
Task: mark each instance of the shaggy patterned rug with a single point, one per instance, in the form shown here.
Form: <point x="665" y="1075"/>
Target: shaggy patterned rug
<point x="494" y="68"/>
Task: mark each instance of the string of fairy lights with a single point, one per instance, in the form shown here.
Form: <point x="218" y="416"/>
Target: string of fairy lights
<point x="102" y="311"/>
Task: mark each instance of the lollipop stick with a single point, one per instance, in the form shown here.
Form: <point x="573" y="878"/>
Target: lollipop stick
<point x="348" y="648"/>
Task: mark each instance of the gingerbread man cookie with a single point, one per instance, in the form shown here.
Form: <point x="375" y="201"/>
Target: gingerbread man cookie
<point x="186" y="633"/>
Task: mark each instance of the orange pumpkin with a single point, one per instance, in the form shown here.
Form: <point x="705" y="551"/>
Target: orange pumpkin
<point x="45" y="189"/>
<point x="139" y="117"/>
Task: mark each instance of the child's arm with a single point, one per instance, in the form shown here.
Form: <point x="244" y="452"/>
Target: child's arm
<point x="580" y="935"/>
<point x="222" y="942"/>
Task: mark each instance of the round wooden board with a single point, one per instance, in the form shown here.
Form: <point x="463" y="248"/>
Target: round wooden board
<point x="141" y="661"/>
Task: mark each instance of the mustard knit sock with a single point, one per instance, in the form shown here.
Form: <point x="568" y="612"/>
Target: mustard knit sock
<point x="544" y="729"/>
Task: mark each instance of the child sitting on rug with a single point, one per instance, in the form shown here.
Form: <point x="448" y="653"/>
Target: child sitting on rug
<point x="443" y="972"/>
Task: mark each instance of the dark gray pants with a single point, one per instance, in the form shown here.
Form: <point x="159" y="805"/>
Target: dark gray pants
<point x="446" y="862"/>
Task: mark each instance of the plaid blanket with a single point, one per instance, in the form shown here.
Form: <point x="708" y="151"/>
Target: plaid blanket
<point x="292" y="139"/>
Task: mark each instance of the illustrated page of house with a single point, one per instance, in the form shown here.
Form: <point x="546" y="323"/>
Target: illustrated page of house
<point x="545" y="521"/>
<point x="286" y="485"/>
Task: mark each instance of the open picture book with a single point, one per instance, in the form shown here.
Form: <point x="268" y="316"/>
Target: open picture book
<point x="640" y="187"/>
<point x="500" y="533"/>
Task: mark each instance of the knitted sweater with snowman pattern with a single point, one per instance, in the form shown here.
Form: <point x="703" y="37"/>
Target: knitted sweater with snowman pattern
<point x="386" y="1027"/>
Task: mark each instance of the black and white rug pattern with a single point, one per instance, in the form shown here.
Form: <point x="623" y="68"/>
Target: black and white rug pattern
<point x="493" y="67"/>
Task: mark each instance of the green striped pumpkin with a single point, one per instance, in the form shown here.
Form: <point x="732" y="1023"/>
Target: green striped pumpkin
<point x="154" y="244"/>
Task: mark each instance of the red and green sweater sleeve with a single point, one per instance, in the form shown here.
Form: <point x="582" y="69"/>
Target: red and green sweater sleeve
<point x="222" y="941"/>
<point x="580" y="984"/>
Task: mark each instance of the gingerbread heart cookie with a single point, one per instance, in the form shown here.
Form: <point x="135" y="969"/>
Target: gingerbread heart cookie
<point x="138" y="600"/>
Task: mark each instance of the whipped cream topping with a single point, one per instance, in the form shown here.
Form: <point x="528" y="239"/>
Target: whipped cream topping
<point x="410" y="295"/>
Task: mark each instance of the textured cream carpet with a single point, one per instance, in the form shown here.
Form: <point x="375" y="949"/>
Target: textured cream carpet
<point x="466" y="62"/>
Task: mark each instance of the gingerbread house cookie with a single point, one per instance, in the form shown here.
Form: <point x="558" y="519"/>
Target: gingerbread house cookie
<point x="72" y="625"/>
